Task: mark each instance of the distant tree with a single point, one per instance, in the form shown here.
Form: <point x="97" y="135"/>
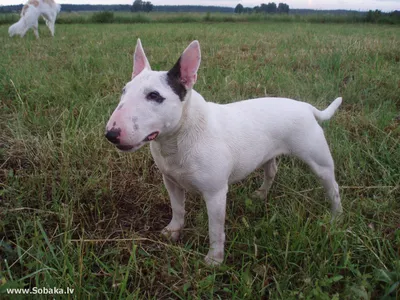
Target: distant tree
<point x="263" y="8"/>
<point x="148" y="7"/>
<point x="268" y="8"/>
<point x="256" y="9"/>
<point x="271" y="8"/>
<point x="283" y="8"/>
<point x="137" y="5"/>
<point x="247" y="10"/>
<point x="239" y="9"/>
<point x="373" y="16"/>
<point x="193" y="8"/>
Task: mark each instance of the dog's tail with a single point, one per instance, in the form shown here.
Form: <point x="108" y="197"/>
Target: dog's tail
<point x="328" y="112"/>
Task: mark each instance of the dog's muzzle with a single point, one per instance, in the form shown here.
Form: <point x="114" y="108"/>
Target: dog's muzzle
<point x="113" y="135"/>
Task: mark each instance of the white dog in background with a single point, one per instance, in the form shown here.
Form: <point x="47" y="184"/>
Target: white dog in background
<point x="204" y="146"/>
<point x="30" y="14"/>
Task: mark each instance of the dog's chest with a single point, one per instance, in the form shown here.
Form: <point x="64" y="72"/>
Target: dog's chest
<point x="176" y="168"/>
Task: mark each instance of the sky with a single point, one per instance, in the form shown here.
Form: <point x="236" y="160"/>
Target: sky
<point x="384" y="5"/>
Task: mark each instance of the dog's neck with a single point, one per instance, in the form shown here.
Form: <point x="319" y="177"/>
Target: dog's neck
<point x="193" y="115"/>
<point x="192" y="123"/>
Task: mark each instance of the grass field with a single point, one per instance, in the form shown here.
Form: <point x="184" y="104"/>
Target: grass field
<point x="66" y="17"/>
<point x="76" y="213"/>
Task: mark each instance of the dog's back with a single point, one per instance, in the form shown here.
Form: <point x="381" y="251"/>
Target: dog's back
<point x="276" y="125"/>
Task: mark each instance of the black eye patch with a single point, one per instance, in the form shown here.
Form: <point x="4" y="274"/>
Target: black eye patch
<point x="123" y="91"/>
<point x="155" y="96"/>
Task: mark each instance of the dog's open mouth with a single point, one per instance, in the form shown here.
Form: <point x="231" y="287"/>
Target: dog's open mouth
<point x="151" y="136"/>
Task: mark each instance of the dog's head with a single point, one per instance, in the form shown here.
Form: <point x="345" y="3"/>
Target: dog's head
<point x="152" y="102"/>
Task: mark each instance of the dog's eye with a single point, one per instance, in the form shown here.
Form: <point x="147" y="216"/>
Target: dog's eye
<point x="155" y="96"/>
<point x="123" y="91"/>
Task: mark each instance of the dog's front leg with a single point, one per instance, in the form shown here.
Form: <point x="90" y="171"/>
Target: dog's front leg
<point x="216" y="208"/>
<point x="177" y="197"/>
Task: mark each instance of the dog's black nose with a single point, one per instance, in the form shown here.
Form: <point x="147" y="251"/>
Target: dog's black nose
<point x="113" y="135"/>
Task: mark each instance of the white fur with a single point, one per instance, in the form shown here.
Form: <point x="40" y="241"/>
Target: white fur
<point x="30" y="16"/>
<point x="204" y="146"/>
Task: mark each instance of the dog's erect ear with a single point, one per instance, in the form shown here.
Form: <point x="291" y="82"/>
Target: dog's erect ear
<point x="185" y="69"/>
<point x="140" y="61"/>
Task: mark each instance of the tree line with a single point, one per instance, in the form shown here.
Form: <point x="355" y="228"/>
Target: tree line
<point x="370" y="16"/>
<point x="127" y="8"/>
<point x="270" y="8"/>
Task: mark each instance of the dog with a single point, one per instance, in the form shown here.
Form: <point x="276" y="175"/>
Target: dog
<point x="204" y="146"/>
<point x="30" y="14"/>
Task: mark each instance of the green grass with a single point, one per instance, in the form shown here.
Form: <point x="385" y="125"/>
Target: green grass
<point x="76" y="213"/>
<point x="184" y="17"/>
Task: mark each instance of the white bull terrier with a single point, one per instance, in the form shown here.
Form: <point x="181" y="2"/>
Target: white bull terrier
<point x="30" y="14"/>
<point x="203" y="146"/>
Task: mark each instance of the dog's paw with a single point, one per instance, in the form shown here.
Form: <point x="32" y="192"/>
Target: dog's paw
<point x="337" y="212"/>
<point x="260" y="195"/>
<point x="214" y="259"/>
<point x="337" y="209"/>
<point x="337" y="217"/>
<point x="171" y="234"/>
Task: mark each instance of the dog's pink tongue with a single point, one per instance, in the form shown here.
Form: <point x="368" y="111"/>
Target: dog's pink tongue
<point x="152" y="136"/>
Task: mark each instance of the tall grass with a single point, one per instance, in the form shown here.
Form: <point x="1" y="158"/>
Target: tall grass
<point x="131" y="18"/>
<point x="8" y="18"/>
<point x="74" y="212"/>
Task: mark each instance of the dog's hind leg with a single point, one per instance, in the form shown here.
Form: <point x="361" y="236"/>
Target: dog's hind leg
<point x="50" y="25"/>
<point x="50" y="21"/>
<point x="315" y="152"/>
<point x="52" y="28"/>
<point x="270" y="169"/>
<point x="36" y="29"/>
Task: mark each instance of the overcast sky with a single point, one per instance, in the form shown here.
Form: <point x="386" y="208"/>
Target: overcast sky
<point x="385" y="5"/>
